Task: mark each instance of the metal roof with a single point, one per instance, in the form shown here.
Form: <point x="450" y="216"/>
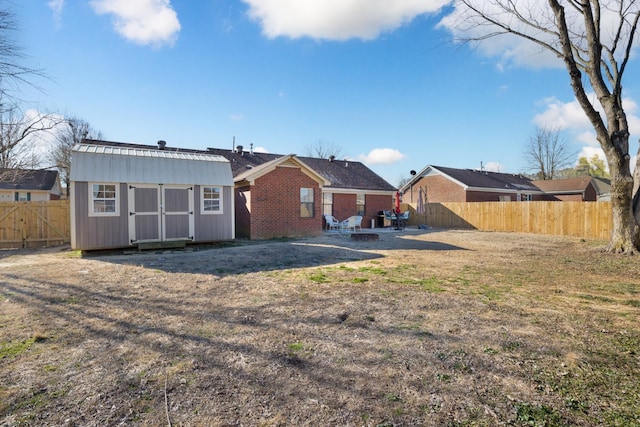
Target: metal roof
<point x="112" y="163"/>
<point x="146" y="152"/>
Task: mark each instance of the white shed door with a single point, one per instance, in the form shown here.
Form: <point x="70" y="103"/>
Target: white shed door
<point x="160" y="212"/>
<point x="178" y="220"/>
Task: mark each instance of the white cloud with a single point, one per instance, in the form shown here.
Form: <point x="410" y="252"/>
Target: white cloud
<point x="145" y="22"/>
<point x="569" y="117"/>
<point x="493" y="167"/>
<point x="336" y="19"/>
<point x="511" y="50"/>
<point x="57" y="7"/>
<point x="381" y="156"/>
<point x="236" y="117"/>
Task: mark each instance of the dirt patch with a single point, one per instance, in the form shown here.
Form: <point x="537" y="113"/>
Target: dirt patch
<point x="421" y="327"/>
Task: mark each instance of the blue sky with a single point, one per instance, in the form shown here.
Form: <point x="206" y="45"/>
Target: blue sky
<point x="386" y="85"/>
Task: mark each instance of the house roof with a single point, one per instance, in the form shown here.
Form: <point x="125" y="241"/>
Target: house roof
<point x="253" y="173"/>
<point x="473" y="179"/>
<point x="338" y="174"/>
<point x="565" y="185"/>
<point x="28" y="179"/>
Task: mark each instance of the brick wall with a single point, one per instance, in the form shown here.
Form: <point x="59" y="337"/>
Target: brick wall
<point x="345" y="205"/>
<point x="439" y="189"/>
<point x="275" y="205"/>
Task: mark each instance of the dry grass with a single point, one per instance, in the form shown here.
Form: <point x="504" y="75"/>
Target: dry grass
<point x="454" y="328"/>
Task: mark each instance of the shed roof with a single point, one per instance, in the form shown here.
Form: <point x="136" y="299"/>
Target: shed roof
<point x="113" y="162"/>
<point x="28" y="179"/>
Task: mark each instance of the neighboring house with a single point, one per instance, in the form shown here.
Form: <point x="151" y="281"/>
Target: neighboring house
<point x="24" y="185"/>
<point x="127" y="194"/>
<point x="577" y="189"/>
<point x="603" y="188"/>
<point x="287" y="195"/>
<point x="435" y="184"/>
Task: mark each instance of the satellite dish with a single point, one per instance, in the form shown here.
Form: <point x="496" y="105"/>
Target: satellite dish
<point x="412" y="173"/>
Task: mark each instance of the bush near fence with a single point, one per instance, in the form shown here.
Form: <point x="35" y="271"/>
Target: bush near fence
<point x="591" y="220"/>
<point x="34" y="224"/>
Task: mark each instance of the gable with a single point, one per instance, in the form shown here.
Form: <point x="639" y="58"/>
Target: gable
<point x="289" y="161"/>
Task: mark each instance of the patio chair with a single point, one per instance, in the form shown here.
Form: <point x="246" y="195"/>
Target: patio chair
<point x="332" y="222"/>
<point x="352" y="223"/>
<point x="403" y="218"/>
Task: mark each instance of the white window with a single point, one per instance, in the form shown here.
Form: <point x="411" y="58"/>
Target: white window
<point x="22" y="197"/>
<point x="103" y="199"/>
<point x="211" y="200"/>
<point x="306" y="203"/>
<point x="360" y="204"/>
<point x="327" y="203"/>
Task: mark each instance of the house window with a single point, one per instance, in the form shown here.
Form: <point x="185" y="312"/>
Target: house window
<point x="360" y="204"/>
<point x="527" y="197"/>
<point x="21" y="196"/>
<point x="306" y="202"/>
<point x="505" y="198"/>
<point x="211" y="200"/>
<point x="103" y="200"/>
<point x="327" y="203"/>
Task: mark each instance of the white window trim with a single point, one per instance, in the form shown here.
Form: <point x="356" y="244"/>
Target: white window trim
<point x="117" y="210"/>
<point x="219" y="211"/>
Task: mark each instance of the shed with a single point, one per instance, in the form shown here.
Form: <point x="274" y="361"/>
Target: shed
<point x="127" y="194"/>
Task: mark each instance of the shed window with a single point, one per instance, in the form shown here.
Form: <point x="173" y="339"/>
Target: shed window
<point x="103" y="200"/>
<point x="306" y="203"/>
<point x="211" y="200"/>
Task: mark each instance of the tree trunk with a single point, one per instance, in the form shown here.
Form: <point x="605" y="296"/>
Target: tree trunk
<point x="624" y="234"/>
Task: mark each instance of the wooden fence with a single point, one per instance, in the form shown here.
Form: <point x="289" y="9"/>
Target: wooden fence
<point x="34" y="224"/>
<point x="591" y="220"/>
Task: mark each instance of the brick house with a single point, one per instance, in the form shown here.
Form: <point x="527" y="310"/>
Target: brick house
<point x="441" y="184"/>
<point x="287" y="195"/>
<point x="29" y="185"/>
<point x="577" y="189"/>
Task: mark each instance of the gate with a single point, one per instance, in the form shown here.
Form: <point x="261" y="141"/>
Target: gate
<point x="34" y="224"/>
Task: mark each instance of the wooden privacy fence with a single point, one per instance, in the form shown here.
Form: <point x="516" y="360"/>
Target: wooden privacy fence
<point x="34" y="224"/>
<point x="592" y="220"/>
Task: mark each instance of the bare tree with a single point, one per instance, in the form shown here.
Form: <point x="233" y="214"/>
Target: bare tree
<point x="13" y="71"/>
<point x="323" y="150"/>
<point x="547" y="152"/>
<point x="19" y="134"/>
<point x="70" y="133"/>
<point x="594" y="39"/>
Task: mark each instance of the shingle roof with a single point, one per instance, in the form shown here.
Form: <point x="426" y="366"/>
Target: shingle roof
<point x="484" y="179"/>
<point x="577" y="184"/>
<point x="27" y="179"/>
<point x="342" y="174"/>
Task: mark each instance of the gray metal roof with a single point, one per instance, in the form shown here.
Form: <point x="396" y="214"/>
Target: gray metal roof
<point x="108" y="163"/>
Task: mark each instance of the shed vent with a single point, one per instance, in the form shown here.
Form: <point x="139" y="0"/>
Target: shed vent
<point x="162" y="144"/>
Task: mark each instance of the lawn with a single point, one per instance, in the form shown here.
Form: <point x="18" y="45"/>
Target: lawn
<point x="423" y="327"/>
